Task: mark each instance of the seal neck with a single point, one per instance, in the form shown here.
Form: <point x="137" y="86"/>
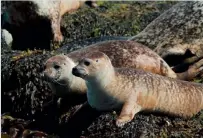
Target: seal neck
<point x="77" y="85"/>
<point x="103" y="79"/>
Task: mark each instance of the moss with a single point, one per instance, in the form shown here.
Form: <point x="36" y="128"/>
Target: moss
<point x="5" y="136"/>
<point x="7" y="117"/>
<point x="163" y="134"/>
<point x="25" y="54"/>
<point x="96" y="32"/>
<point x="100" y="3"/>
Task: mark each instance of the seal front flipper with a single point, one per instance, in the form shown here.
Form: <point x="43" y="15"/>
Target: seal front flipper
<point x="55" y="25"/>
<point x="129" y="109"/>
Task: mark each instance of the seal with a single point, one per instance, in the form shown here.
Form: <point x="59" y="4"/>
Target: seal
<point x="54" y="10"/>
<point x="122" y="53"/>
<point x="134" y="90"/>
<point x="20" y="12"/>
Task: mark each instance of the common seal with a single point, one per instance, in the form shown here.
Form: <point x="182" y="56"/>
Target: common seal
<point x="56" y="9"/>
<point x="122" y="53"/>
<point x="134" y="90"/>
<point x="19" y="12"/>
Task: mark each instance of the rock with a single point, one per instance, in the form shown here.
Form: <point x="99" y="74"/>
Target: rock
<point x="7" y="37"/>
<point x="177" y="31"/>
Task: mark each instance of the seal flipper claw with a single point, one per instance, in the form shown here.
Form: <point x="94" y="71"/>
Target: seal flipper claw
<point x="128" y="112"/>
<point x="120" y="123"/>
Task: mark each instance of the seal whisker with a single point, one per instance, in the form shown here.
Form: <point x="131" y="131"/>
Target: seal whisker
<point x="55" y="81"/>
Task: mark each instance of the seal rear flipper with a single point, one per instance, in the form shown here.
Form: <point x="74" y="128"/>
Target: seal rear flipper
<point x="166" y="70"/>
<point x="193" y="71"/>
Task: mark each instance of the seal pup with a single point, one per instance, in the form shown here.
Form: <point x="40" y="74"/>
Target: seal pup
<point x="134" y="90"/>
<point x="122" y="53"/>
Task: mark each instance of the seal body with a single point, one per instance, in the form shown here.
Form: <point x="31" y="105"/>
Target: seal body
<point x="122" y="54"/>
<point x="130" y="54"/>
<point x="133" y="90"/>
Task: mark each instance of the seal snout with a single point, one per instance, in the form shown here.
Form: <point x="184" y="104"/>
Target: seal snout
<point x="79" y="72"/>
<point x="46" y="76"/>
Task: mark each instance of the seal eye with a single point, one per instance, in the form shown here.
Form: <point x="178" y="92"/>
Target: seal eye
<point x="56" y="67"/>
<point x="87" y="63"/>
<point x="97" y="60"/>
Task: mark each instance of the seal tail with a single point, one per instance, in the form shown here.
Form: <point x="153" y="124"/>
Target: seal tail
<point x="166" y="70"/>
<point x="193" y="71"/>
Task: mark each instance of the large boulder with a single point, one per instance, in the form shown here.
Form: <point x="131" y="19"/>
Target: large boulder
<point x="178" y="31"/>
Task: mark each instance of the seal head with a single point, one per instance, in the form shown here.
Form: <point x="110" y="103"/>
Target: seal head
<point x="91" y="65"/>
<point x="58" y="68"/>
<point x="58" y="72"/>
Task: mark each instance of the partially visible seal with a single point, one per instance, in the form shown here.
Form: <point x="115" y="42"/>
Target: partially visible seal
<point x="134" y="90"/>
<point x="122" y="54"/>
<point x="20" y="12"/>
<point x="54" y="10"/>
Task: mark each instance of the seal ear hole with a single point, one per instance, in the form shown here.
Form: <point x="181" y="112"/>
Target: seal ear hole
<point x="87" y="63"/>
<point x="56" y="66"/>
<point x="97" y="60"/>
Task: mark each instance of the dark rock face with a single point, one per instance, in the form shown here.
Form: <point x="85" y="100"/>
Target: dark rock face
<point x="28" y="28"/>
<point x="23" y="91"/>
<point x="146" y="125"/>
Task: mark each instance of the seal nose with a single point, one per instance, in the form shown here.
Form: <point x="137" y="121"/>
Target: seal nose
<point x="79" y="72"/>
<point x="75" y="71"/>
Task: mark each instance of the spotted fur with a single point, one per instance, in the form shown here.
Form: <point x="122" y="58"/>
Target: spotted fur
<point x="133" y="90"/>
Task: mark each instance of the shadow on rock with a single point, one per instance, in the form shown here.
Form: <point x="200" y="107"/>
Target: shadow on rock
<point x="28" y="29"/>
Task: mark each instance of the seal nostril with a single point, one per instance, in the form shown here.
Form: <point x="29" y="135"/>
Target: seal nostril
<point x="56" y="66"/>
<point x="74" y="71"/>
<point x="87" y="63"/>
